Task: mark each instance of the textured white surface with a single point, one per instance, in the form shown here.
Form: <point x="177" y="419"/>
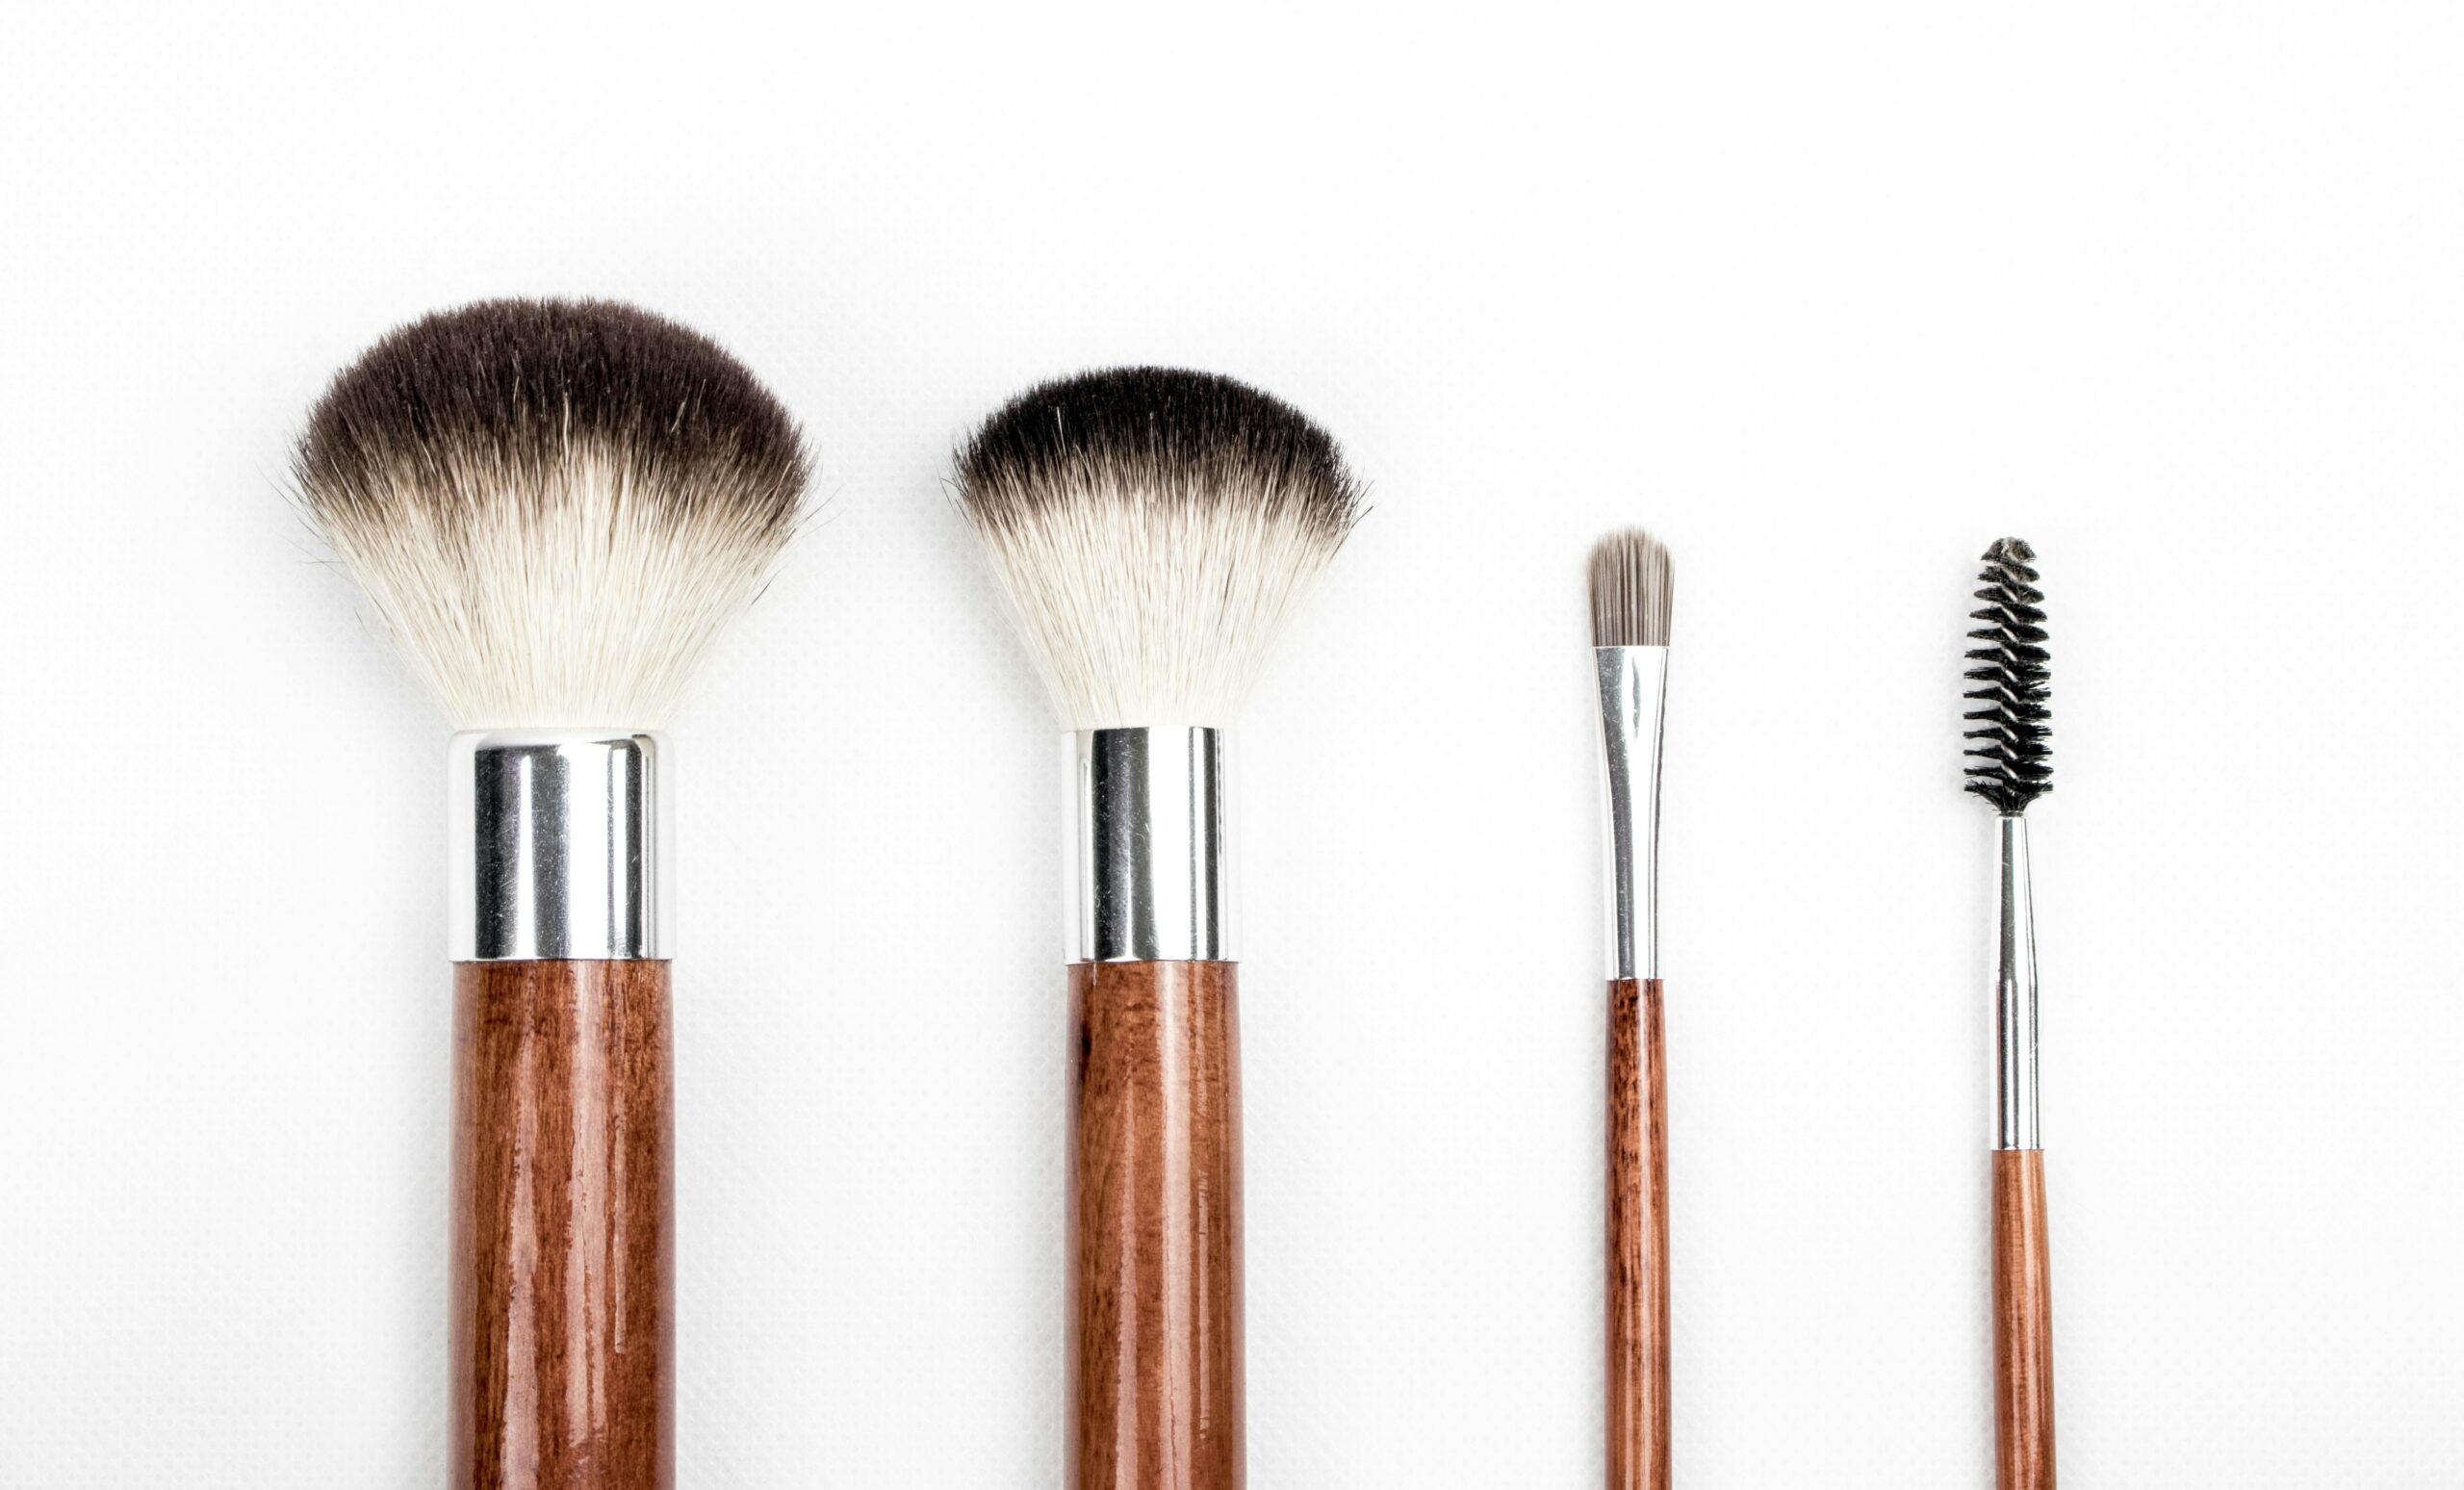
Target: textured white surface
<point x="1829" y="295"/>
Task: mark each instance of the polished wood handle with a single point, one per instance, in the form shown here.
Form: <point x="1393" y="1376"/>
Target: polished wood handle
<point x="1638" y="1456"/>
<point x="1154" y="1352"/>
<point x="2022" y="1324"/>
<point x="562" y="1332"/>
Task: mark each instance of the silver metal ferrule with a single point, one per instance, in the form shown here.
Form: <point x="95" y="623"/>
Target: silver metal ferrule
<point x="558" y="841"/>
<point x="1150" y="860"/>
<point x="1634" y="688"/>
<point x="2014" y="995"/>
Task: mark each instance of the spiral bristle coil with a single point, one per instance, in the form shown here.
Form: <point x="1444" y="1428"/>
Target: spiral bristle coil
<point x="2012" y="739"/>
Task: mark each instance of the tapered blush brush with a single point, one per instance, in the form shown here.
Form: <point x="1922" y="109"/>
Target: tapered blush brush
<point x="1154" y="530"/>
<point x="554" y="507"/>
<point x="1631" y="597"/>
<point x="2012" y="765"/>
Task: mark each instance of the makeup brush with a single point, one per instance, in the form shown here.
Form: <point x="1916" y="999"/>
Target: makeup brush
<point x="1153" y="531"/>
<point x="554" y="506"/>
<point x="1629" y="611"/>
<point x="2012" y="765"/>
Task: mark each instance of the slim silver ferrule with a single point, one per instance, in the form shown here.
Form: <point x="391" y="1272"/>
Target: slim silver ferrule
<point x="558" y="846"/>
<point x="2014" y="995"/>
<point x="1150" y="860"/>
<point x="1634" y="688"/>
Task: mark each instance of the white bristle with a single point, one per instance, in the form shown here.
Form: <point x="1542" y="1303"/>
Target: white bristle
<point x="577" y="608"/>
<point x="1120" y="640"/>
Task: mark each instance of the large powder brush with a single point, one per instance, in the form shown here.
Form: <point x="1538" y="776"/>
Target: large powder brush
<point x="1154" y="531"/>
<point x="555" y="507"/>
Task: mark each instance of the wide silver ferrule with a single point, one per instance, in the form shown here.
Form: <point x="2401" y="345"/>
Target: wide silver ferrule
<point x="558" y="842"/>
<point x="1150" y="860"/>
<point x="2014" y="995"/>
<point x="1634" y="688"/>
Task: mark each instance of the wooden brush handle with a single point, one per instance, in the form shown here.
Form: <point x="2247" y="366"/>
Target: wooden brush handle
<point x="562" y="1332"/>
<point x="1154" y="1353"/>
<point x="1638" y="1457"/>
<point x="2022" y="1324"/>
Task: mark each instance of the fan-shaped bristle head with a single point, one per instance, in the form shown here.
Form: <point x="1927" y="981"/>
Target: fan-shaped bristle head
<point x="554" y="505"/>
<point x="1153" y="531"/>
<point x="2012" y="725"/>
<point x="1629" y="590"/>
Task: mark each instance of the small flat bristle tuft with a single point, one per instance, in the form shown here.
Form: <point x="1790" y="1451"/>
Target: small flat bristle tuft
<point x="554" y="505"/>
<point x="1629" y="590"/>
<point x="1153" y="531"/>
<point x="2013" y="722"/>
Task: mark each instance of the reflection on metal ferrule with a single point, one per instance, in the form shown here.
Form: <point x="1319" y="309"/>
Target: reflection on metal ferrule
<point x="1150" y="857"/>
<point x="558" y="840"/>
<point x="2014" y="993"/>
<point x="1633" y="687"/>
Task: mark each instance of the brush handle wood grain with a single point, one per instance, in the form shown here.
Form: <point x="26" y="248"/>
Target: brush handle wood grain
<point x="1637" y="1276"/>
<point x="1154" y="1372"/>
<point x="2022" y="1324"/>
<point x="562" y="1336"/>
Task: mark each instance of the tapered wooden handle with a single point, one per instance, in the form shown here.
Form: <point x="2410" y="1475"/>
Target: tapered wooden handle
<point x="2022" y="1324"/>
<point x="1638" y="1456"/>
<point x="561" y="1335"/>
<point x="1154" y="1353"/>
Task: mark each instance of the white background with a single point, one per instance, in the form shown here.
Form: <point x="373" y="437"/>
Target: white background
<point x="1829" y="295"/>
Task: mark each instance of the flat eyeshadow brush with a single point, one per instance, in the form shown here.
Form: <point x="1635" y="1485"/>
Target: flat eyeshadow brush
<point x="1154" y="530"/>
<point x="1630" y="595"/>
<point x="2012" y="755"/>
<point x="554" y="507"/>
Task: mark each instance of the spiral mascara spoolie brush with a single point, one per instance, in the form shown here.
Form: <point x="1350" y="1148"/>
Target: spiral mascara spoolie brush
<point x="555" y="506"/>
<point x="2010" y="727"/>
<point x="1631" y="597"/>
<point x="1154" y="530"/>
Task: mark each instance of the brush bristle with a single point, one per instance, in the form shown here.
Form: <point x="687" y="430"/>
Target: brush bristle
<point x="554" y="505"/>
<point x="1154" y="530"/>
<point x="2012" y="732"/>
<point x="1629" y="590"/>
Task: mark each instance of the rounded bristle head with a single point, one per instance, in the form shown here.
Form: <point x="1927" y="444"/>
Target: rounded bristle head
<point x="1630" y="591"/>
<point x="2012" y="725"/>
<point x="554" y="506"/>
<point x="1154" y="530"/>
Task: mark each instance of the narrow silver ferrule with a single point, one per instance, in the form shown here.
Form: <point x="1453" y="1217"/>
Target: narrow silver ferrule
<point x="1634" y="688"/>
<point x="557" y="844"/>
<point x="2014" y="995"/>
<point x="1150" y="860"/>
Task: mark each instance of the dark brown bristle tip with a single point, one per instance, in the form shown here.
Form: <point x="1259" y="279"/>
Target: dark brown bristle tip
<point x="2011" y="684"/>
<point x="1159" y="437"/>
<point x="526" y="385"/>
<point x="1630" y="590"/>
